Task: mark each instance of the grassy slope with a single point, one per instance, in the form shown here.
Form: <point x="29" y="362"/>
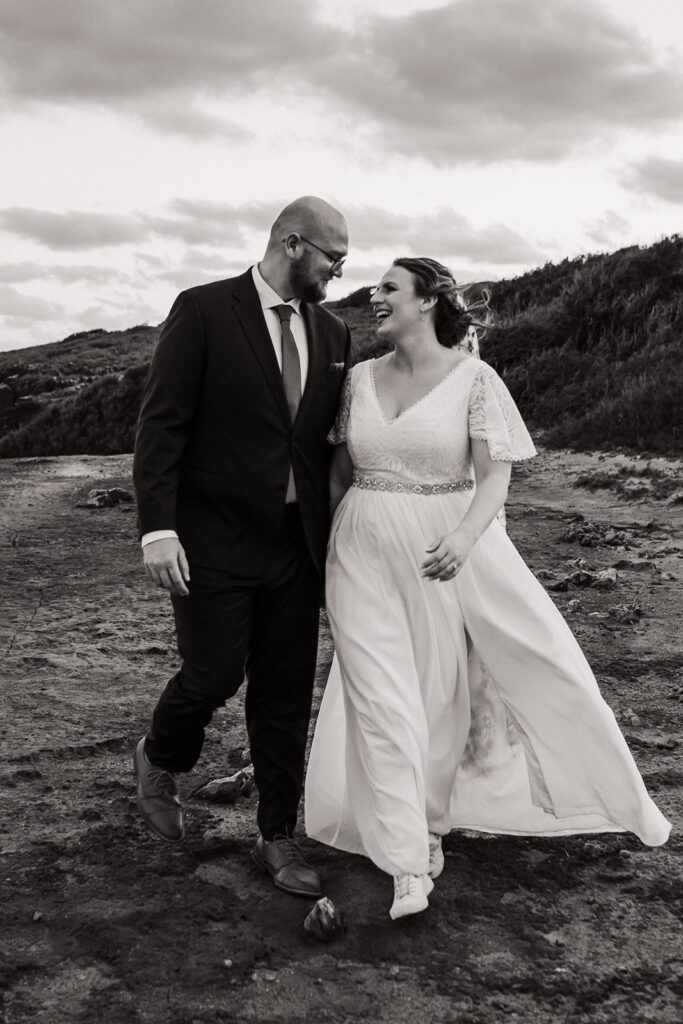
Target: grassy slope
<point x="590" y="348"/>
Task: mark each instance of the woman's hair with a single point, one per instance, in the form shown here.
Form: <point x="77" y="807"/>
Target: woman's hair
<point x="452" y="315"/>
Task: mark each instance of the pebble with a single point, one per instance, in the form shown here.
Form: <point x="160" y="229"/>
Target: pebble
<point x="226" y="790"/>
<point x="227" y="963"/>
<point x="324" y="923"/>
<point x="37" y="915"/>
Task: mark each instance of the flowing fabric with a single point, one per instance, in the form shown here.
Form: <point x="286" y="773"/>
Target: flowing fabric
<point x="459" y="704"/>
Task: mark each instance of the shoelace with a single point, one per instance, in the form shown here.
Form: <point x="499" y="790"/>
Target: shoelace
<point x="405" y="885"/>
<point x="162" y="780"/>
<point x="290" y="850"/>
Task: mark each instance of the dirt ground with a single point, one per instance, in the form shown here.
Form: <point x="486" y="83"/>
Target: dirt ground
<point x="103" y="924"/>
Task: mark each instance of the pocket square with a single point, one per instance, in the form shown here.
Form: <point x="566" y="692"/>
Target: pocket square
<point x="336" y="367"/>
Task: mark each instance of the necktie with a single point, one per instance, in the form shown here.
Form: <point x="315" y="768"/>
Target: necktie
<point x="291" y="378"/>
<point x="291" y="367"/>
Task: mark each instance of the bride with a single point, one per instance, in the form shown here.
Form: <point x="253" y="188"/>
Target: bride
<point x="458" y="697"/>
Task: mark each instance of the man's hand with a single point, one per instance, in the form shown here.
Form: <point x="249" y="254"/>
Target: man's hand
<point x="167" y="566"/>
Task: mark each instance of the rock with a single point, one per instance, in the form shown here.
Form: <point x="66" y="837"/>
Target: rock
<point x="394" y="971"/>
<point x="636" y="487"/>
<point x="676" y="498"/>
<point x="591" y="535"/>
<point x="581" y="578"/>
<point x="227" y="963"/>
<point x="659" y="742"/>
<point x="606" y="579"/>
<point x="574" y="606"/>
<point x="545" y="574"/>
<point x="324" y="923"/>
<point x="581" y="563"/>
<point x="555" y="938"/>
<point x="226" y="790"/>
<point x="558" y="586"/>
<point x="245" y="757"/>
<point x="116" y="494"/>
<point x="643" y="565"/>
<point x="37" y="916"/>
<point x="666" y="743"/>
<point x="626" y="613"/>
<point x="98" y="498"/>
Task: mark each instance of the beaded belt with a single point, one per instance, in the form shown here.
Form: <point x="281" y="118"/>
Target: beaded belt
<point x="377" y="483"/>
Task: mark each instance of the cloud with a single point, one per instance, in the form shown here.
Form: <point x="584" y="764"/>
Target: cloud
<point x="198" y="221"/>
<point x="485" y="80"/>
<point x="443" y="234"/>
<point x="473" y="80"/>
<point x="194" y="221"/>
<point x="607" y="229"/>
<point x="657" y="176"/>
<point x="30" y="307"/>
<point x="117" y="318"/>
<point x="191" y="122"/>
<point x="13" y="273"/>
<point x="74" y="229"/>
<point x="121" y="54"/>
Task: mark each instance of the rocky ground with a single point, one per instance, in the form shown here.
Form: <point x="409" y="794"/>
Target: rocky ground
<point x="103" y="924"/>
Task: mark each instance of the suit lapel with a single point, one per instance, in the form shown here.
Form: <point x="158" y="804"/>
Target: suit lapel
<point x="250" y="315"/>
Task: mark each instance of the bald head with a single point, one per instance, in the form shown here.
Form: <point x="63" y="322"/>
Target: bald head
<point x="312" y="217"/>
<point x="307" y="245"/>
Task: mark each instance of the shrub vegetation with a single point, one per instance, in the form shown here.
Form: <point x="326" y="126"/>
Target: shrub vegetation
<point x="591" y="349"/>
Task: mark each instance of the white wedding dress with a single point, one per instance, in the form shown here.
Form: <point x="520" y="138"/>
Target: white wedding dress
<point x="461" y="704"/>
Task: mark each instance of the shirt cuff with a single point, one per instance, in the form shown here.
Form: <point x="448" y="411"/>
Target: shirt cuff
<point x="149" y="538"/>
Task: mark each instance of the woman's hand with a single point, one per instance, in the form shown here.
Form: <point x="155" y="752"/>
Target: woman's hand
<point x="447" y="556"/>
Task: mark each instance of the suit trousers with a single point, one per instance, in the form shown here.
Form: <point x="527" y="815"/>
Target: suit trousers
<point x="267" y="627"/>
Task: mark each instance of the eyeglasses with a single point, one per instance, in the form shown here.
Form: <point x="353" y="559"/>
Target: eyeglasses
<point x="336" y="262"/>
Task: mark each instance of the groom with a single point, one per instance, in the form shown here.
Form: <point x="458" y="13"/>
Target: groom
<point x="231" y="475"/>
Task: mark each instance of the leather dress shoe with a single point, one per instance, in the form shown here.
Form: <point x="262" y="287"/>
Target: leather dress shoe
<point x="157" y="798"/>
<point x="287" y="866"/>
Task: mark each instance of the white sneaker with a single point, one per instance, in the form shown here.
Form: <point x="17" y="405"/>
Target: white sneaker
<point x="436" y="861"/>
<point x="410" y="895"/>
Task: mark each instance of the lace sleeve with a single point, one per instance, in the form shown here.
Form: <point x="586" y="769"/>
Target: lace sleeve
<point x="337" y="434"/>
<point x="494" y="418"/>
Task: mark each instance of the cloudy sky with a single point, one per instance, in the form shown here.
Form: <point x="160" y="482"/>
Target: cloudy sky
<point x="146" y="145"/>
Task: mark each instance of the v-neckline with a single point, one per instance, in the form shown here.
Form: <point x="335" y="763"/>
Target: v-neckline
<point x="418" y="401"/>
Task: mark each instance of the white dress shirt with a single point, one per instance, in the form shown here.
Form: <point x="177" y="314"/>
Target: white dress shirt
<point x="269" y="298"/>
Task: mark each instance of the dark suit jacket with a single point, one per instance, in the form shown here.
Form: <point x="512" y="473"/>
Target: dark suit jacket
<point x="214" y="440"/>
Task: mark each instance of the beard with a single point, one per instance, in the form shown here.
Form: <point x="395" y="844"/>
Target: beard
<point x="305" y="286"/>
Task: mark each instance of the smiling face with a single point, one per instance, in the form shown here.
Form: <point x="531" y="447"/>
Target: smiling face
<point x="396" y="304"/>
<point x="318" y="263"/>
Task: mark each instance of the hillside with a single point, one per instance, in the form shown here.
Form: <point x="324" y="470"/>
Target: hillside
<point x="590" y="348"/>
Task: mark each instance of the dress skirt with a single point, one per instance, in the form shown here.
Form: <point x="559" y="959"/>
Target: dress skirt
<point x="461" y="704"/>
